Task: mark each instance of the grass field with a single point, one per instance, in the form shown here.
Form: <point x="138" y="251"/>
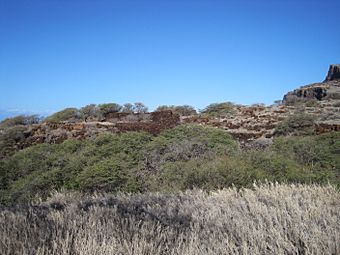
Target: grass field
<point x="268" y="219"/>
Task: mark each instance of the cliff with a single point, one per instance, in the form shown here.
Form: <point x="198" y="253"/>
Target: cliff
<point x="327" y="90"/>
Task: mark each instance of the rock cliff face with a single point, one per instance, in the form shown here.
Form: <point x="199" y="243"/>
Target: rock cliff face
<point x="329" y="89"/>
<point x="333" y="73"/>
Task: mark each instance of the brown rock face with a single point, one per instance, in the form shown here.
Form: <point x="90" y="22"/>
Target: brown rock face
<point x="326" y="126"/>
<point x="327" y="90"/>
<point x="318" y="92"/>
<point x="333" y="73"/>
<point x="57" y="132"/>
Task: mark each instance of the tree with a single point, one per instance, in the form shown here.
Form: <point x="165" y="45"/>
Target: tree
<point x="219" y="109"/>
<point x="140" y="108"/>
<point x="32" y="119"/>
<point x="127" y="108"/>
<point x="64" y="115"/>
<point x="20" y="120"/>
<point x="183" y="110"/>
<point x="89" y="111"/>
<point x="164" y="108"/>
<point x="109" y="108"/>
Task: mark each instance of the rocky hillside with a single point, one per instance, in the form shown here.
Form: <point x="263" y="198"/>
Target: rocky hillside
<point x="248" y="124"/>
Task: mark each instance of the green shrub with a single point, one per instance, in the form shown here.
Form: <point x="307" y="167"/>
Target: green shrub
<point x="185" y="157"/>
<point x="219" y="109"/>
<point x="312" y="103"/>
<point x="90" y="111"/>
<point x="9" y="139"/>
<point x="20" y="120"/>
<point x="64" y="115"/>
<point x="318" y="153"/>
<point x="182" y="110"/>
<point x="109" y="108"/>
<point x="188" y="142"/>
<point x="128" y="108"/>
<point x="139" y="107"/>
<point x="298" y="123"/>
<point x="109" y="175"/>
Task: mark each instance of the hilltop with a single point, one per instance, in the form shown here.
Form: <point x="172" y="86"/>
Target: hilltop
<point x="317" y="105"/>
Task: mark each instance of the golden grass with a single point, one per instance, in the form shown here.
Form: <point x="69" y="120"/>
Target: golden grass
<point x="269" y="219"/>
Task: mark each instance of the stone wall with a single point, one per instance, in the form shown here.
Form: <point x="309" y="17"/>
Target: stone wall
<point x="57" y="132"/>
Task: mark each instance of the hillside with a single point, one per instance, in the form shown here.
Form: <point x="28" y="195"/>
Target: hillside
<point x="319" y="102"/>
<point x="229" y="179"/>
<point x="116" y="148"/>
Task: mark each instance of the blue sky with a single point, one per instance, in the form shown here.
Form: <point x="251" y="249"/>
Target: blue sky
<point x="69" y="53"/>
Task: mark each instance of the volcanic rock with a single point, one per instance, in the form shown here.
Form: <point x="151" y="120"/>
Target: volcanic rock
<point x="333" y="73"/>
<point x="327" y="90"/>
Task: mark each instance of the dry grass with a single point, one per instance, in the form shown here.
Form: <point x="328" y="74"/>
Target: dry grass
<point x="269" y="219"/>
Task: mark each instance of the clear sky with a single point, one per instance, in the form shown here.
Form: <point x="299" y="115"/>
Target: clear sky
<point x="69" y="53"/>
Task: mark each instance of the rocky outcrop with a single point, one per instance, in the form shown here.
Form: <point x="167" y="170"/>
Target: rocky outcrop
<point x="333" y="73"/>
<point x="57" y="132"/>
<point x="327" y="126"/>
<point x="248" y="123"/>
<point x="329" y="89"/>
<point x="317" y="92"/>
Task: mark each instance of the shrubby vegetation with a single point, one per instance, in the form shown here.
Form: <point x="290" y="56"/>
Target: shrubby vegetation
<point x="175" y="205"/>
<point x="186" y="157"/>
<point x="312" y="103"/>
<point x="182" y="110"/>
<point x="298" y="123"/>
<point x="19" y="120"/>
<point x="90" y="111"/>
<point x="64" y="115"/>
<point x="12" y="130"/>
<point x="267" y="219"/>
<point x="219" y="109"/>
<point x="95" y="112"/>
<point x="8" y="138"/>
<point x="109" y="108"/>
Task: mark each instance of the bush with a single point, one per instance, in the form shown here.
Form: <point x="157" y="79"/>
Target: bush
<point x="128" y="108"/>
<point x="185" y="157"/>
<point x="90" y="111"/>
<point x="20" y="120"/>
<point x="312" y="103"/>
<point x="140" y="107"/>
<point x="318" y="153"/>
<point x="109" y="175"/>
<point x="182" y="110"/>
<point x="67" y="114"/>
<point x="298" y="123"/>
<point x="189" y="142"/>
<point x="109" y="108"/>
<point x="9" y="139"/>
<point x="219" y="109"/>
